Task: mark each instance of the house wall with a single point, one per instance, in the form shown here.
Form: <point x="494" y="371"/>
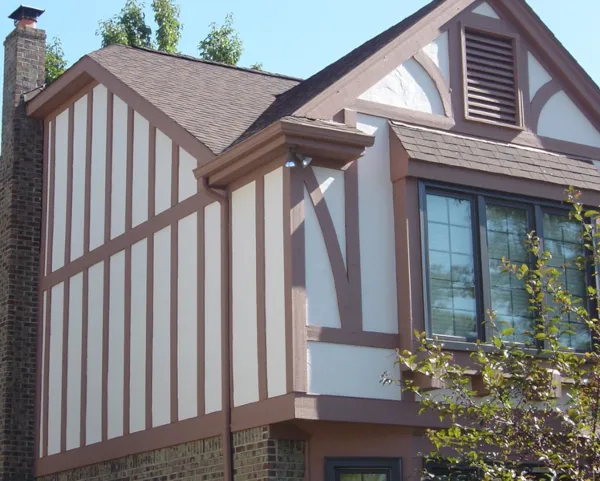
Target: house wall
<point x="349" y="301"/>
<point x="132" y="284"/>
<point x="260" y="328"/>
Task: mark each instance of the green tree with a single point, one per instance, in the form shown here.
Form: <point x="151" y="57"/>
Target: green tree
<point x="534" y="402"/>
<point x="166" y="16"/>
<point x="222" y="44"/>
<point x="55" y="60"/>
<point x="128" y="27"/>
<point x="257" y="66"/>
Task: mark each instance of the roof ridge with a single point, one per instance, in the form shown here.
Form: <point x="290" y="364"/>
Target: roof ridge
<point x="208" y="62"/>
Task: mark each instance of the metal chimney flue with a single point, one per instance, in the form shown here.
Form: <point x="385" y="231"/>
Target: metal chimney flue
<point x="25" y="16"/>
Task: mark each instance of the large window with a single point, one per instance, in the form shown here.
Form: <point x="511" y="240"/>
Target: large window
<point x="363" y="469"/>
<point x="466" y="235"/>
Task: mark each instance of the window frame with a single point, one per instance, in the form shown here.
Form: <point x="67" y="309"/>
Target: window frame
<point x="504" y="34"/>
<point x="333" y="466"/>
<point x="479" y="198"/>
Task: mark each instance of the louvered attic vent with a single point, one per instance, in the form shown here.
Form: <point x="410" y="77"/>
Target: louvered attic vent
<point x="491" y="91"/>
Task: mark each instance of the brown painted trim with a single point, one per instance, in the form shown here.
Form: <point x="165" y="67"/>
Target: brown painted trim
<point x="376" y="109"/>
<point x="84" y="358"/>
<point x="351" y="200"/>
<point x="260" y="288"/>
<point x="226" y="327"/>
<point x="456" y="70"/>
<point x="350" y="117"/>
<point x="438" y="79"/>
<point x="174" y="381"/>
<point x="495" y="182"/>
<point x="138" y="233"/>
<point x="143" y="441"/>
<point x="297" y="351"/>
<point x="350" y="338"/>
<point x="127" y="344"/>
<point x="540" y="99"/>
<point x="523" y="69"/>
<point x="201" y="314"/>
<point x="129" y="170"/>
<point x="46" y="395"/>
<point x="334" y="144"/>
<point x="287" y="270"/>
<point x="270" y="411"/>
<point x="105" y="346"/>
<point x="84" y="72"/>
<point x="351" y="85"/>
<point x="151" y="172"/>
<point x="359" y="410"/>
<point x="149" y="327"/>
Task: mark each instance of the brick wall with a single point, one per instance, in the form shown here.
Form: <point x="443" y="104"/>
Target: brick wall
<point x="20" y="234"/>
<point x="257" y="456"/>
<point x="198" y="461"/>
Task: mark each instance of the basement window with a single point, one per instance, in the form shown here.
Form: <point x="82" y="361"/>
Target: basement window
<point x="363" y="469"/>
<point x="490" y="78"/>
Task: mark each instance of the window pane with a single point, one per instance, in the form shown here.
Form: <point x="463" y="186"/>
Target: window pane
<point x="562" y="238"/>
<point x="507" y="228"/>
<point x="451" y="266"/>
<point x="351" y="477"/>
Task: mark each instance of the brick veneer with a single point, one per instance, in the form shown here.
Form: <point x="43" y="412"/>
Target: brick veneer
<point x="198" y="460"/>
<point x="257" y="456"/>
<point x="20" y="233"/>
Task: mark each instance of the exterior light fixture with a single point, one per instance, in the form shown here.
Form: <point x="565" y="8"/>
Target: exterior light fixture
<point x="296" y="159"/>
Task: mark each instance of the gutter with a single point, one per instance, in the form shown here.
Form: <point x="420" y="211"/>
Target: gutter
<point x="222" y="197"/>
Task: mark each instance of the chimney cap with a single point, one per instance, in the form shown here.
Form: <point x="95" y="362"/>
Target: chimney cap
<point x="26" y="12"/>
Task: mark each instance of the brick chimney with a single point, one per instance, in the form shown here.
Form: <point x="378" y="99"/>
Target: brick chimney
<point x="20" y="233"/>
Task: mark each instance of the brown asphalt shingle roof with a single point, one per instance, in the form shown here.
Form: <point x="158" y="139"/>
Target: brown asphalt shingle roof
<point x="213" y="102"/>
<point x="221" y="105"/>
<point x="441" y="147"/>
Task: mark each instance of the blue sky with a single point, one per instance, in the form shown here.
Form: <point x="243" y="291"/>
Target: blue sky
<point x="299" y="38"/>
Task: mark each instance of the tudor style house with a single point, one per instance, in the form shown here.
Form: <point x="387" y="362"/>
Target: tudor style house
<point x="228" y="258"/>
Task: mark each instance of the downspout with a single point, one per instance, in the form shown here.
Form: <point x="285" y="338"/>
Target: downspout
<point x="222" y="197"/>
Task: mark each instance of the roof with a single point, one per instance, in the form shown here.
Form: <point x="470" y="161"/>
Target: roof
<point x="441" y="147"/>
<point x="296" y="97"/>
<point x="215" y="103"/>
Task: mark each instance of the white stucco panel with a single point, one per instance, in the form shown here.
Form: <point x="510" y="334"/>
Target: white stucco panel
<point x="322" y="308"/>
<point x="486" y="10"/>
<point x="408" y="86"/>
<point x="537" y="75"/>
<point x="376" y="228"/>
<point x="244" y="313"/>
<point x="438" y="52"/>
<point x="353" y="371"/>
<point x="561" y="119"/>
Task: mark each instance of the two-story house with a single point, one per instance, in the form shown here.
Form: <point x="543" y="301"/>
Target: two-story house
<point x="228" y="258"/>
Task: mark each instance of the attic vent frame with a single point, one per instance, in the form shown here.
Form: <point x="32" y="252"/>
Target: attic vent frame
<point x="497" y="100"/>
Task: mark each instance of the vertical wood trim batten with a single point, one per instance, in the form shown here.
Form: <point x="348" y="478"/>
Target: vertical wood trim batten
<point x="174" y="283"/>
<point x="127" y="342"/>
<point x="354" y="320"/>
<point x="88" y="173"/>
<point x="106" y="298"/>
<point x="226" y="329"/>
<point x="260" y="288"/>
<point x="287" y="269"/>
<point x="84" y="357"/>
<point x="150" y="275"/>
<point x="129" y="171"/>
<point x="65" y="333"/>
<point x="46" y="371"/>
<point x="201" y="314"/>
<point x="40" y="331"/>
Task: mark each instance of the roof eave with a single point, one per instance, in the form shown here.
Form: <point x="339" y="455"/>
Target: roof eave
<point x="337" y="146"/>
